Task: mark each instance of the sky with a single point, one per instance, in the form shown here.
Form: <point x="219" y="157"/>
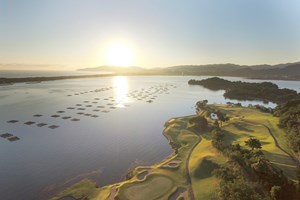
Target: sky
<point x="72" y="34"/>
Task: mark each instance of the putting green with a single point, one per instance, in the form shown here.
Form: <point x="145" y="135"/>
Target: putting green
<point x="153" y="187"/>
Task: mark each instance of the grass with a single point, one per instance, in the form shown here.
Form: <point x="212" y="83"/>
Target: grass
<point x="154" y="187"/>
<point x="205" y="158"/>
<point x="84" y="189"/>
<point x="247" y="123"/>
<point x="161" y="180"/>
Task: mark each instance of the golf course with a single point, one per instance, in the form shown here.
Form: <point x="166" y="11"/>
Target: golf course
<point x="190" y="172"/>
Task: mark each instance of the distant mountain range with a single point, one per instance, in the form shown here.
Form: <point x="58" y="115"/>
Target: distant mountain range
<point x="116" y="69"/>
<point x="288" y="71"/>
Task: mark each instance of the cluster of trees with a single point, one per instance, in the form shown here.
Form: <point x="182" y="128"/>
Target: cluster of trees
<point x="207" y="110"/>
<point x="201" y="105"/>
<point x="234" y="186"/>
<point x="265" y="91"/>
<point x="214" y="83"/>
<point x="217" y="138"/>
<point x="289" y="119"/>
<point x="200" y="123"/>
<point x="252" y="163"/>
<point x="261" y="108"/>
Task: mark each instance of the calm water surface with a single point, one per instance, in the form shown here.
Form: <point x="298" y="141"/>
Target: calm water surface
<point x="120" y="125"/>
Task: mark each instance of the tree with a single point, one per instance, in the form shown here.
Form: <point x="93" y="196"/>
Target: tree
<point x="253" y="143"/>
<point x="225" y="174"/>
<point x="201" y="105"/>
<point x="238" y="190"/>
<point x="221" y="117"/>
<point x="199" y="122"/>
<point x="217" y="139"/>
<point x="275" y="192"/>
<point x="216" y="123"/>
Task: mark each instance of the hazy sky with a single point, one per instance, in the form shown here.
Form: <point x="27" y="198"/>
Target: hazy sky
<point x="78" y="33"/>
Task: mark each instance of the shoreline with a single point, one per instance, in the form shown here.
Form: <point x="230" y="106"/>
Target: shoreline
<point x="133" y="173"/>
<point x="178" y="171"/>
<point x="32" y="80"/>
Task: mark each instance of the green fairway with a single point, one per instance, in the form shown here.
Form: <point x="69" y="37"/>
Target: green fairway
<point x="191" y="166"/>
<point x="155" y="186"/>
<point x="247" y="123"/>
<point x="84" y="189"/>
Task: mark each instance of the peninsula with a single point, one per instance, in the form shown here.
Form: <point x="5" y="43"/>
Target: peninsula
<point x="242" y="152"/>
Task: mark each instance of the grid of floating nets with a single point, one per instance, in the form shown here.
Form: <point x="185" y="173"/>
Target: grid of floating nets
<point x="93" y="107"/>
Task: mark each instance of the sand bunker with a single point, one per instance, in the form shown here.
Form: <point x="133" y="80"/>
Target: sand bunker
<point x="113" y="192"/>
<point x="142" y="175"/>
<point x="173" y="163"/>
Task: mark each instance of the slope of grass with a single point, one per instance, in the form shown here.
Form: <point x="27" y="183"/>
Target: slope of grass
<point x="154" y="187"/>
<point x="84" y="189"/>
<point x="161" y="180"/>
<point x="247" y="123"/>
<point x="204" y="159"/>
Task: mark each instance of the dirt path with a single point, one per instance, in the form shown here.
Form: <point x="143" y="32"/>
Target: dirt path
<point x="277" y="143"/>
<point x="187" y="171"/>
<point x="113" y="192"/>
<point x="279" y="147"/>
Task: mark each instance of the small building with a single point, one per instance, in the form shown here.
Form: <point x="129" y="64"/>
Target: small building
<point x="214" y="116"/>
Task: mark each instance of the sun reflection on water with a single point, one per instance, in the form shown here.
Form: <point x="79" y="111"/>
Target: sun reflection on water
<point x="121" y="90"/>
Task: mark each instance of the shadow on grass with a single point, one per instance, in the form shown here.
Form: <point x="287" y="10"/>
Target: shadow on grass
<point x="242" y="127"/>
<point x="279" y="158"/>
<point x="230" y="137"/>
<point x="205" y="169"/>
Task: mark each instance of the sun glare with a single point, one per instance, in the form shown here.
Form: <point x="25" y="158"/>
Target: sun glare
<point x="120" y="89"/>
<point x="120" y="55"/>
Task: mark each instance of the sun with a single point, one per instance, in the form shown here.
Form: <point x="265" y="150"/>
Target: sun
<point x="120" y="55"/>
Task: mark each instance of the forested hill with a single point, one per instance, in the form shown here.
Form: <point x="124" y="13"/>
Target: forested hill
<point x="288" y="71"/>
<point x="265" y="91"/>
<point x="288" y="109"/>
<point x="289" y="119"/>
